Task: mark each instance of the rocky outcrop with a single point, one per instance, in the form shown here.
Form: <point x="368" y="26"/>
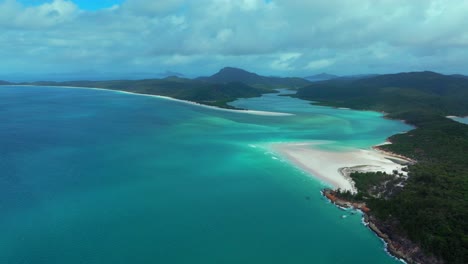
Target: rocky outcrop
<point x="397" y="244"/>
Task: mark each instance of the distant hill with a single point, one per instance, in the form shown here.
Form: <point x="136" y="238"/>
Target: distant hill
<point x="4" y="82"/>
<point x="230" y="74"/>
<point x="326" y="77"/>
<point x="227" y="85"/>
<point x="394" y="93"/>
<point x="170" y="74"/>
<point x="218" y="94"/>
<point x="460" y="76"/>
<point x="357" y="76"/>
<point x="321" y="77"/>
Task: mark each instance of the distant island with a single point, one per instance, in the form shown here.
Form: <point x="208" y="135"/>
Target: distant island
<point x="423" y="218"/>
<point x="230" y="74"/>
<point x="219" y="89"/>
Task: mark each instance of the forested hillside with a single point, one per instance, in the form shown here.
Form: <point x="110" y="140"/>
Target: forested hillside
<point x="229" y="74"/>
<point x="218" y="94"/>
<point x="395" y="93"/>
<point x="432" y="208"/>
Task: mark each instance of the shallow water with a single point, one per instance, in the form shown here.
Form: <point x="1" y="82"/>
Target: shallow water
<point x="91" y="176"/>
<point x="463" y="120"/>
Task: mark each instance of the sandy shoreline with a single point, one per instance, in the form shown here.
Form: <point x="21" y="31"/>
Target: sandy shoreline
<point x="452" y="116"/>
<point x="333" y="167"/>
<point x="251" y="112"/>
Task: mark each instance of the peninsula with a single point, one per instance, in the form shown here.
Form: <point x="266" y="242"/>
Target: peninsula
<point x="425" y="215"/>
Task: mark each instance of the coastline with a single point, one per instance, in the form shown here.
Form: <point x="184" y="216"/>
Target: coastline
<point x="452" y="116"/>
<point x="459" y="119"/>
<point x="334" y="167"/>
<point x="396" y="244"/>
<point x="369" y="222"/>
<point x="297" y="156"/>
<point x="392" y="155"/>
<point x="251" y="112"/>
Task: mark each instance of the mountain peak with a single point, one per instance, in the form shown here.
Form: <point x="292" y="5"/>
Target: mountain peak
<point x="321" y="77"/>
<point x="231" y="74"/>
<point x="231" y="69"/>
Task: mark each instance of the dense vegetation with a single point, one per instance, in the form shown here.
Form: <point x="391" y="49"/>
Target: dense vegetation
<point x="375" y="185"/>
<point x="218" y="94"/>
<point x="427" y="92"/>
<point x="219" y="89"/>
<point x="432" y="208"/>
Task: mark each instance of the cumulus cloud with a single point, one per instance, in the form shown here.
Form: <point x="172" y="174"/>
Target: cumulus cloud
<point x="178" y="59"/>
<point x="285" y="61"/>
<point x="145" y="7"/>
<point x="272" y="37"/>
<point x="319" y="64"/>
<point x="14" y="15"/>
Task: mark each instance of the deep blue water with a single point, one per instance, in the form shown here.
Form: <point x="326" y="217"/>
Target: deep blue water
<point x="92" y="176"/>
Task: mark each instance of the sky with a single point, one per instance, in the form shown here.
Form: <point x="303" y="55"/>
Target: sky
<point x="146" y="38"/>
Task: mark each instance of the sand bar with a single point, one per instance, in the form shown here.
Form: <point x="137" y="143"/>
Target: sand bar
<point x="327" y="165"/>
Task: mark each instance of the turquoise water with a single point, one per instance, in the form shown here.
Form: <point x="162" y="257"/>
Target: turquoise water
<point x="90" y="176"/>
<point x="463" y="120"/>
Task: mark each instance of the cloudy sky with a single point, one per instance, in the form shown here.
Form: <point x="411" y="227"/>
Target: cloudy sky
<point x="198" y="37"/>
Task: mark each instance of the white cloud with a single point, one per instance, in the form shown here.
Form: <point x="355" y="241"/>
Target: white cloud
<point x="319" y="64"/>
<point x="178" y="59"/>
<point x="224" y="34"/>
<point x="274" y="37"/>
<point x="283" y="63"/>
<point x="15" y="15"/>
<point x="250" y="5"/>
<point x="177" y="21"/>
<point x="152" y="7"/>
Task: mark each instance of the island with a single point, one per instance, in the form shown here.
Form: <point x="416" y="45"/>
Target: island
<point x="218" y="89"/>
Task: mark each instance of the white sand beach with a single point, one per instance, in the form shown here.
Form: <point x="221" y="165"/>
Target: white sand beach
<point x="329" y="166"/>
<point x="251" y="112"/>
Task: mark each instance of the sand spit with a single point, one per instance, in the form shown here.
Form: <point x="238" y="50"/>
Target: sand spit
<point x="251" y="112"/>
<point x="334" y="167"/>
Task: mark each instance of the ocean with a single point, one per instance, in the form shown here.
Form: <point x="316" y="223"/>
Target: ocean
<point x="95" y="176"/>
